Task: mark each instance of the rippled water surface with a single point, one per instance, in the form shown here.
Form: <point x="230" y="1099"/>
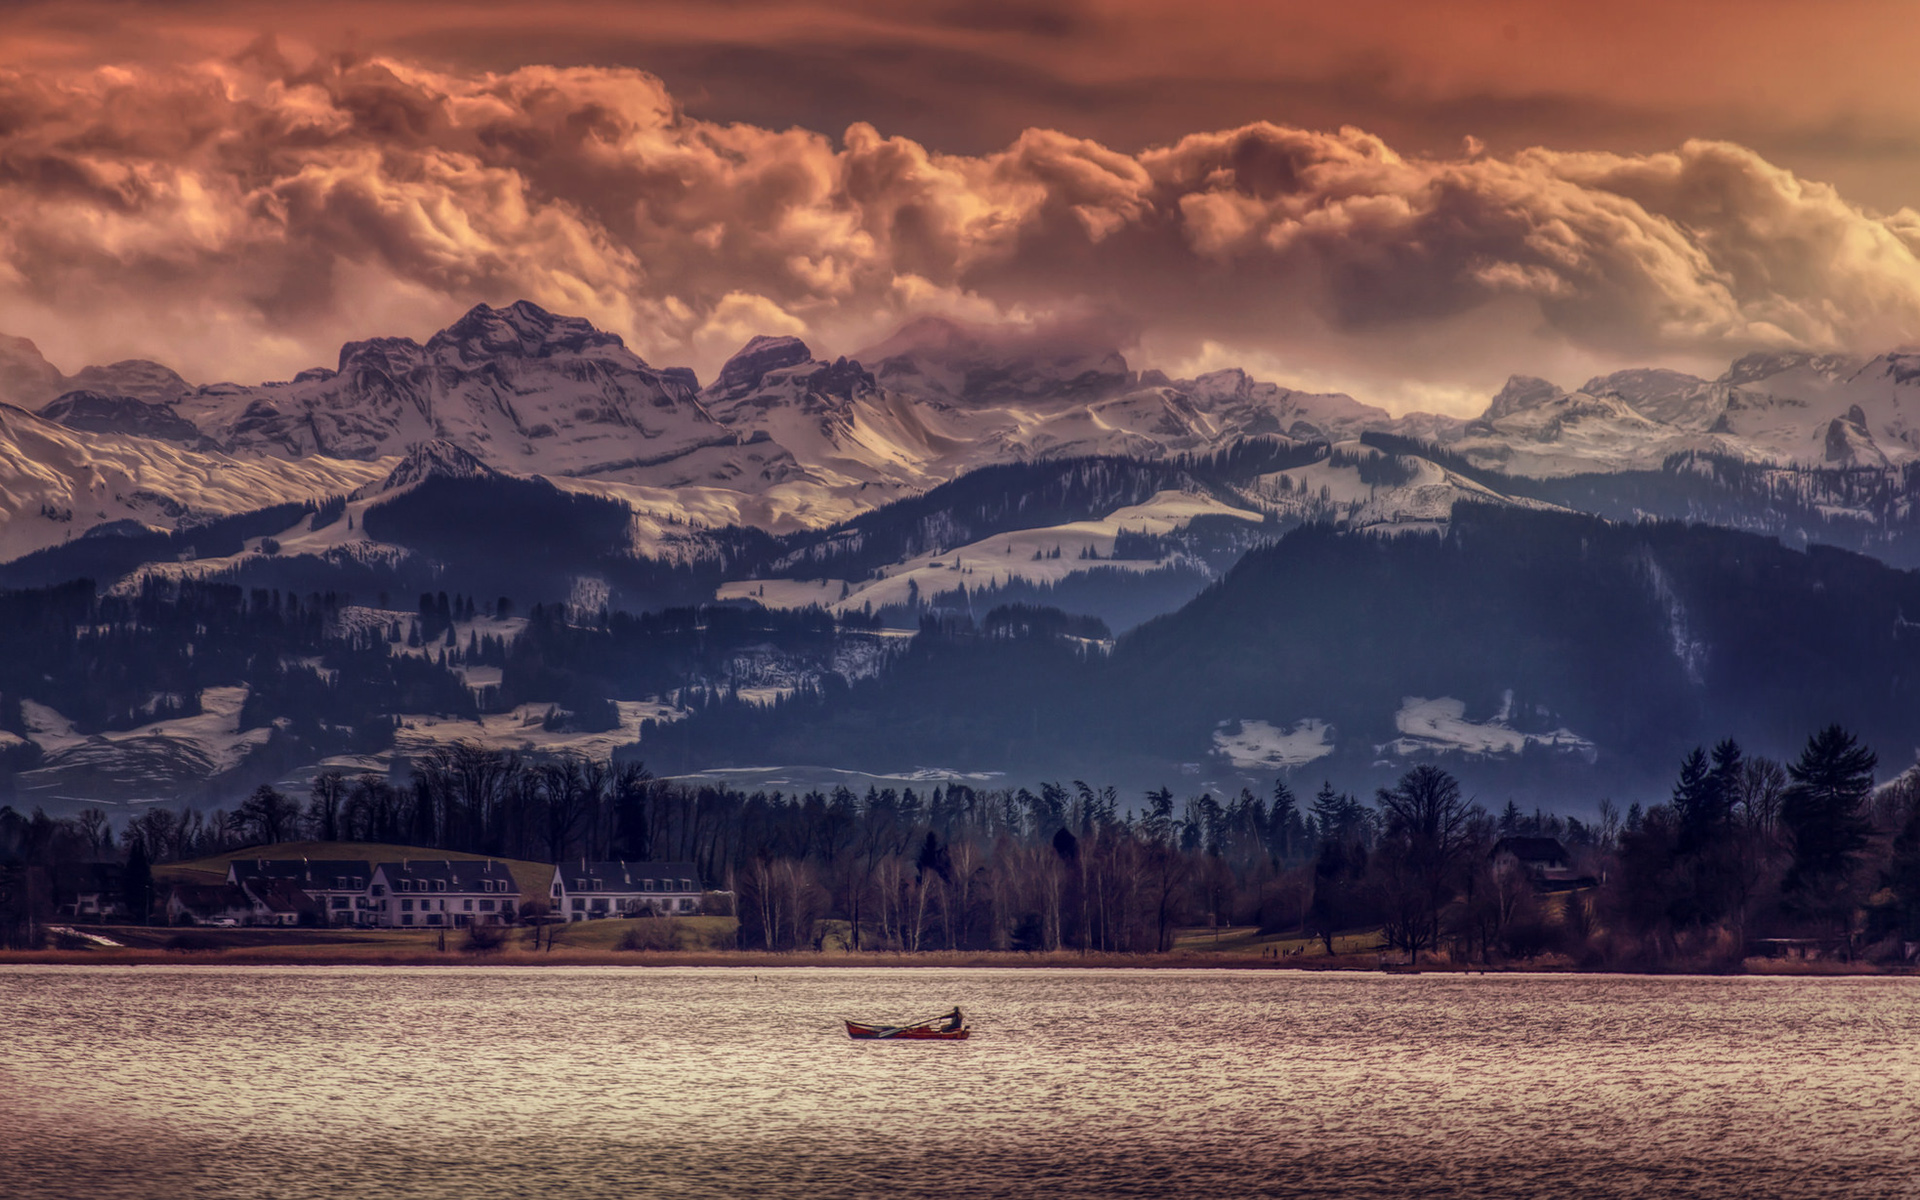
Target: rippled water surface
<point x="557" y="1083"/>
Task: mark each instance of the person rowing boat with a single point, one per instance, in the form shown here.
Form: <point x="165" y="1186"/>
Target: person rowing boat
<point x="949" y="1026"/>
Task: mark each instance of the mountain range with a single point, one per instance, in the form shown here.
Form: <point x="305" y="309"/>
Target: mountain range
<point x="943" y="476"/>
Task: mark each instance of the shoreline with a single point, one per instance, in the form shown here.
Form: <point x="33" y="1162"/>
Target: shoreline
<point x="341" y="956"/>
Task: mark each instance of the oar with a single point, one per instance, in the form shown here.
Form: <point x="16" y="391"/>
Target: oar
<point x="914" y="1025"/>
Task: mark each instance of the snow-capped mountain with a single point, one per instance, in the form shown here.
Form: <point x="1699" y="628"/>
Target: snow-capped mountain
<point x="783" y="439"/>
<point x="1798" y="408"/>
<point x="519" y="387"/>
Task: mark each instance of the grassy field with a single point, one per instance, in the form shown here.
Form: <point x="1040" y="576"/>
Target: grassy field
<point x="1246" y="941"/>
<point x="535" y="879"/>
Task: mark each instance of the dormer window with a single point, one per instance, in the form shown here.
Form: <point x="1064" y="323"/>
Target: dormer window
<point x="439" y="885"/>
<point x="579" y="885"/>
<point x="598" y="886"/>
<point x="406" y="885"/>
<point x="686" y="885"/>
<point x="646" y="885"/>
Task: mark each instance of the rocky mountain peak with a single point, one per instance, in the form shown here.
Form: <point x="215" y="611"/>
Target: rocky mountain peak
<point x="137" y="378"/>
<point x="754" y="362"/>
<point x="520" y="330"/>
<point x="27" y="379"/>
<point x="98" y="412"/>
<point x="1521" y="393"/>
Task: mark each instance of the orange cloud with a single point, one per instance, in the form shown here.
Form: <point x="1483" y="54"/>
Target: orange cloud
<point x="244" y="216"/>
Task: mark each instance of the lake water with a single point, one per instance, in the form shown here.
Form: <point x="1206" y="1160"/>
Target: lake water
<point x="560" y="1083"/>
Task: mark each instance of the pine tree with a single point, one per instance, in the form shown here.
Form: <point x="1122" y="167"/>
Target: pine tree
<point x="137" y="883"/>
<point x="1821" y="810"/>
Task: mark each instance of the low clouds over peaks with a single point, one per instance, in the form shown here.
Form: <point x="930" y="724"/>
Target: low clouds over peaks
<point x="240" y="220"/>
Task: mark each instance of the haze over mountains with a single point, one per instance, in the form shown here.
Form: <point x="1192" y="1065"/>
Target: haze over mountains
<point x="949" y="474"/>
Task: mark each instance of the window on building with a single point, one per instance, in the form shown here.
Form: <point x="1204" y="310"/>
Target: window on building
<point x="406" y="918"/>
<point x="435" y="919"/>
<point x="379" y="889"/>
<point x="439" y="885"/>
<point x="556" y="889"/>
<point x="406" y="906"/>
<point x="600" y="905"/>
<point x="486" y="906"/>
<point x="646" y="885"/>
<point x="686" y="885"/>
<point x="466" y="906"/>
<point x="579" y="904"/>
<point x="598" y="886"/>
<point x="339" y="902"/>
<point x="686" y="906"/>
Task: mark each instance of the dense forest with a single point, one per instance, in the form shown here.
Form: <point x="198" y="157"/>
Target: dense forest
<point x="1745" y="850"/>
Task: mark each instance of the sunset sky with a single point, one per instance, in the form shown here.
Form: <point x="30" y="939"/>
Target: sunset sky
<point x="1405" y="201"/>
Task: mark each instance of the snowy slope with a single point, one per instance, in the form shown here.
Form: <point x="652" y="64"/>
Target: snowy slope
<point x="55" y="484"/>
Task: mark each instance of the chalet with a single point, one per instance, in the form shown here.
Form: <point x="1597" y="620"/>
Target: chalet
<point x="339" y="887"/>
<point x="587" y="891"/>
<point x="437" y="892"/>
<point x="1542" y="860"/>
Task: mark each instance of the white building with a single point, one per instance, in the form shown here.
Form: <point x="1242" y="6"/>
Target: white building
<point x="437" y="892"/>
<point x="588" y="891"/>
<point x="338" y="886"/>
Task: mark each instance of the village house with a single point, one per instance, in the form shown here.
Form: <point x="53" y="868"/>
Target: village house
<point x="261" y="900"/>
<point x="1542" y="860"/>
<point x="90" y="891"/>
<point x="587" y="891"/>
<point x="207" y="904"/>
<point x="436" y="892"/>
<point x="339" y="887"/>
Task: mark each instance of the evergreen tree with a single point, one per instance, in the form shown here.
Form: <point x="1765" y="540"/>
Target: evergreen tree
<point x="136" y="883"/>
<point x="1821" y="811"/>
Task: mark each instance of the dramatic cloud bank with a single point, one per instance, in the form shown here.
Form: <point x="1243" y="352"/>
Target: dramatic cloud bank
<point x="242" y="218"/>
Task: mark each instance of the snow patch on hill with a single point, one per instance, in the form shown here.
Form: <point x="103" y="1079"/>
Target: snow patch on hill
<point x="1258" y="745"/>
<point x="1440" y="726"/>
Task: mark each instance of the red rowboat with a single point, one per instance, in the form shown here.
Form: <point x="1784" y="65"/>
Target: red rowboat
<point x="905" y="1033"/>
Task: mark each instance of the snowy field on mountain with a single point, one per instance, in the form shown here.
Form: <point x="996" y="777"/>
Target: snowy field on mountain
<point x="55" y="484"/>
<point x="523" y="728"/>
<point x="1043" y="556"/>
<point x="1440" y="725"/>
<point x="147" y="763"/>
<point x="1261" y="746"/>
<point x="1335" y="489"/>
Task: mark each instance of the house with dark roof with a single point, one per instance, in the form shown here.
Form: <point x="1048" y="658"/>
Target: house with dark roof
<point x="204" y="903"/>
<point x="587" y="891"/>
<point x="279" y="902"/>
<point x="1543" y="860"/>
<point x="338" y="887"/>
<point x="437" y="893"/>
<point x="89" y="891"/>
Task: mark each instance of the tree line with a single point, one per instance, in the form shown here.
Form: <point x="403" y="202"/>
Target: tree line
<point x="1744" y="849"/>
